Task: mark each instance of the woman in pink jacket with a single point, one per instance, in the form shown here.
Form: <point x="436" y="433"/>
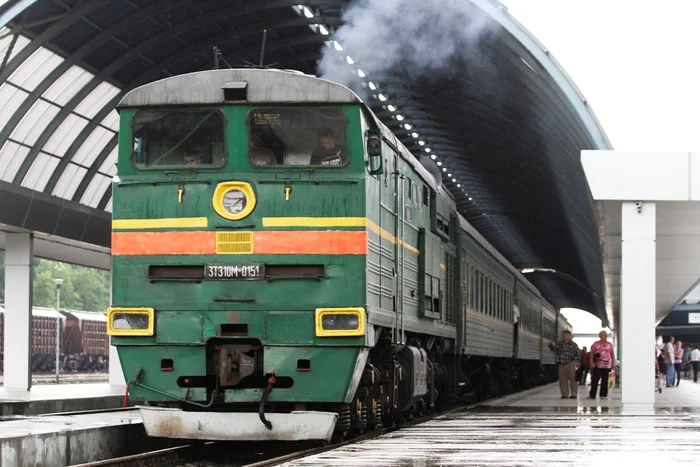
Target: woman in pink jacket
<point x="601" y="360"/>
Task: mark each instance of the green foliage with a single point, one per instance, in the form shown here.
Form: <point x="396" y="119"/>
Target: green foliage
<point x="83" y="288"/>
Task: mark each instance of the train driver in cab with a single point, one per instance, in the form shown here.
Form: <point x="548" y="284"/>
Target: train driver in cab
<point x="193" y="157"/>
<point x="258" y="154"/>
<point x="329" y="152"/>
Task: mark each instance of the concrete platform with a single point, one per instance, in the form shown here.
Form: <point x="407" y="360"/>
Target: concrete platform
<point x="68" y="439"/>
<point x="538" y="428"/>
<point x="43" y="399"/>
<point x="61" y="440"/>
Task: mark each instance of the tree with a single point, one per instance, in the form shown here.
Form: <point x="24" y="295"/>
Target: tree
<point x="84" y="289"/>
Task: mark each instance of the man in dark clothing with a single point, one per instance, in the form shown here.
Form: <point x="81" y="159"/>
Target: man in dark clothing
<point x="568" y="357"/>
<point x="329" y="153"/>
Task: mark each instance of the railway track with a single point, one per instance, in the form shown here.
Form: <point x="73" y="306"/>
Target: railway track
<point x="231" y="454"/>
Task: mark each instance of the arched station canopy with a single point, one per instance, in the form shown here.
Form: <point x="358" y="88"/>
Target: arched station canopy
<point x="508" y="131"/>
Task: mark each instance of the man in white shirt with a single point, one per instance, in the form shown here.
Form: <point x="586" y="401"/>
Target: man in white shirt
<point x="695" y="361"/>
<point x="670" y="359"/>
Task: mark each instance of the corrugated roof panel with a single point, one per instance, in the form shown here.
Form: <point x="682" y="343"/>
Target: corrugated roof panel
<point x="68" y="85"/>
<point x="109" y="166"/>
<point x="10" y="98"/>
<point x="34" y="122"/>
<point x="5" y="43"/>
<point x="112" y="120"/>
<point x="34" y="69"/>
<point x="108" y="208"/>
<point x="92" y="146"/>
<point x="65" y="134"/>
<point x="11" y="157"/>
<point x="70" y="179"/>
<point x="95" y="190"/>
<point x="40" y="171"/>
<point x="97" y="99"/>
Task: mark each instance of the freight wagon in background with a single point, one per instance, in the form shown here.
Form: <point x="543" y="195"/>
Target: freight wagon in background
<point x="84" y="346"/>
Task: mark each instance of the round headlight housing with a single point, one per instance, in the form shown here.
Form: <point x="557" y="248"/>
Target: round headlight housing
<point x="233" y="200"/>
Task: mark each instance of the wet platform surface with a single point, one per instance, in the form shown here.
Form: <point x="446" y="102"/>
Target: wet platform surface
<point x="63" y="423"/>
<point x="538" y="428"/>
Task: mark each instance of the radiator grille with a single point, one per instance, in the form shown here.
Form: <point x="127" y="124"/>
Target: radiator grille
<point x="234" y="243"/>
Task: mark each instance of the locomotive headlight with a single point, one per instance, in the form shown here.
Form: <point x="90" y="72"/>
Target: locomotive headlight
<point x="130" y="321"/>
<point x="233" y="200"/>
<point x="338" y="322"/>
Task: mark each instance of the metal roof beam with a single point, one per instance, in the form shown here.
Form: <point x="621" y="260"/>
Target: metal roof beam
<point x="90" y="86"/>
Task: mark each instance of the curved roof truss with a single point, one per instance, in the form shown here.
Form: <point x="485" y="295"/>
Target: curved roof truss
<point x="513" y="168"/>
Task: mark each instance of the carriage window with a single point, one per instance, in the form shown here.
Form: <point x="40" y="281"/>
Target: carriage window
<point x="178" y="138"/>
<point x="294" y="136"/>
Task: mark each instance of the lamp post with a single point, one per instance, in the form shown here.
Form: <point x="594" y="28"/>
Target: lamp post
<point x="58" y="283"/>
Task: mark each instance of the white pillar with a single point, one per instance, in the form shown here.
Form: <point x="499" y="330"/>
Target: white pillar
<point x="18" y="310"/>
<point x="637" y="301"/>
<point x="116" y="376"/>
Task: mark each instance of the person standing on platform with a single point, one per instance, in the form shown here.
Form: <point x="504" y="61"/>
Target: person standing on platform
<point x="678" y="361"/>
<point x="516" y="319"/>
<point x="601" y="360"/>
<point x="695" y="362"/>
<point x="568" y="356"/>
<point x="670" y="360"/>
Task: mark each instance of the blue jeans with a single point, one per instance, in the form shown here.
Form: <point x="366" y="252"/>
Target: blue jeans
<point x="670" y="373"/>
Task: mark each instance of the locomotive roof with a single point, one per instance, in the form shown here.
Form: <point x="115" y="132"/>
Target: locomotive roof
<point x="260" y="85"/>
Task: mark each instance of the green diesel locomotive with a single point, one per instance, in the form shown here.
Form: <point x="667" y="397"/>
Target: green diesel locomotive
<point x="285" y="269"/>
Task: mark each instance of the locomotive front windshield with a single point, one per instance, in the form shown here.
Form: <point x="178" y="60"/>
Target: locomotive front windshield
<point x="178" y="138"/>
<point x="294" y="136"/>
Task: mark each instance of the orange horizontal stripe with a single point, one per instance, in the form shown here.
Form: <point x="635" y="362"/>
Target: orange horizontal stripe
<point x="164" y="243"/>
<point x="294" y="242"/>
<point x="310" y="242"/>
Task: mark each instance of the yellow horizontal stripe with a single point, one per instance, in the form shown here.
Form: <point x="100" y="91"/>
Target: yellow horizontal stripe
<point x="388" y="236"/>
<point x="410" y="249"/>
<point x="168" y="223"/>
<point x="313" y="221"/>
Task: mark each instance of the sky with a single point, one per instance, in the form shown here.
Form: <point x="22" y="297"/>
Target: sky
<point x="636" y="63"/>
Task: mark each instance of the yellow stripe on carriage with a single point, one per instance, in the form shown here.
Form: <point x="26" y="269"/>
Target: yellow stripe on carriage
<point x="165" y="223"/>
<point x="388" y="236"/>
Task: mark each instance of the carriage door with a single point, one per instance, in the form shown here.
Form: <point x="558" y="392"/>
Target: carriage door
<point x="388" y="224"/>
<point x="399" y="206"/>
